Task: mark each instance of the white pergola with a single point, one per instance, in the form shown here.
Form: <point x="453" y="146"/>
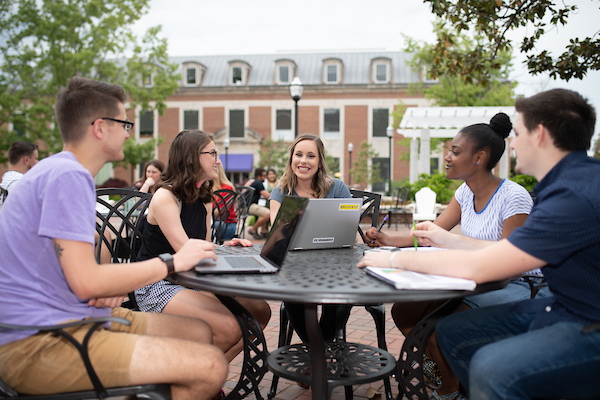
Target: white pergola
<point x="444" y="122"/>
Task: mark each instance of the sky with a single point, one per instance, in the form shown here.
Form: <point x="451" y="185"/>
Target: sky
<point x="269" y="26"/>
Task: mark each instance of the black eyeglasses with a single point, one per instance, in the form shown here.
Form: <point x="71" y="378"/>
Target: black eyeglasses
<point x="127" y="125"/>
<point x="213" y="153"/>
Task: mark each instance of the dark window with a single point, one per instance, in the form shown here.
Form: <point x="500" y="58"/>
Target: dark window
<point x="381" y="73"/>
<point x="332" y="120"/>
<point x="19" y="125"/>
<point x="147" y="123"/>
<point x="190" y="119"/>
<point x="236" y="123"/>
<point x="283" y="120"/>
<point x="236" y="75"/>
<point x="332" y="74"/>
<point x="380" y="122"/>
<point x="284" y="74"/>
<point x="191" y="76"/>
<point x="383" y="164"/>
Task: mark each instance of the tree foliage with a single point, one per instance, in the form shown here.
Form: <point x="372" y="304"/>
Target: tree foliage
<point x="274" y="154"/>
<point x="484" y="87"/>
<point x="361" y="170"/>
<point x="45" y="42"/>
<point x="492" y="20"/>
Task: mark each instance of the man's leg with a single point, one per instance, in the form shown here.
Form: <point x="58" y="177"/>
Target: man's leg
<point x="176" y="350"/>
<point x="558" y="361"/>
<point x="263" y="216"/>
<point x="460" y="335"/>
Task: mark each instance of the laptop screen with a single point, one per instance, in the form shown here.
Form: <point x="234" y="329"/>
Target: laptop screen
<point x="283" y="229"/>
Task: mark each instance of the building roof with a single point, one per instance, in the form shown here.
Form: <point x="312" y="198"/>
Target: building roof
<point x="309" y="67"/>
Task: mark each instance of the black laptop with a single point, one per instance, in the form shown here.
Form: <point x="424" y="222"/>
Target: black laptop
<point x="274" y="250"/>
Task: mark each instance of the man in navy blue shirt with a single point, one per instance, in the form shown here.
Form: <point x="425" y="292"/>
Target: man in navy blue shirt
<point x="537" y="348"/>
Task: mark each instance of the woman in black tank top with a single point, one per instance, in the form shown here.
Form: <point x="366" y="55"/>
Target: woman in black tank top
<point x="181" y="209"/>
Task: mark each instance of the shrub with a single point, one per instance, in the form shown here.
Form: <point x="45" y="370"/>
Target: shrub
<point x="444" y="188"/>
<point x="527" y="181"/>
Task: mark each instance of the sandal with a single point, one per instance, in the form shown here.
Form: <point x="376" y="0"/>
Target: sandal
<point x="431" y="371"/>
<point x="450" y="396"/>
<point x="255" y="235"/>
<point x="303" y="385"/>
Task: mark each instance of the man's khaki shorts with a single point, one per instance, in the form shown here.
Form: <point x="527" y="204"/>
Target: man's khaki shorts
<point x="257" y="210"/>
<point x="47" y="363"/>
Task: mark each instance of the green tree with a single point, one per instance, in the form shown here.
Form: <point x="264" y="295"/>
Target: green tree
<point x="138" y="153"/>
<point x="491" y="20"/>
<point x="361" y="170"/>
<point x="274" y="154"/>
<point x="44" y="43"/>
<point x="484" y="87"/>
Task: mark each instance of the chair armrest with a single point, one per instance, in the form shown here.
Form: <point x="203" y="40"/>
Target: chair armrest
<point x="87" y="321"/>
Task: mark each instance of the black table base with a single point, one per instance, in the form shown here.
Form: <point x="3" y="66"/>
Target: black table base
<point x="346" y="364"/>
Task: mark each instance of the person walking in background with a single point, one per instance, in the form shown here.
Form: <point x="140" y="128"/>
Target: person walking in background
<point x="61" y="281"/>
<point x="262" y="213"/>
<point x="22" y="156"/>
<point x="152" y="173"/>
<point x="181" y="208"/>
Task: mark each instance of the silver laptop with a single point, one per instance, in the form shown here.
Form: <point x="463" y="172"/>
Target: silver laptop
<point x="274" y="250"/>
<point x="328" y="224"/>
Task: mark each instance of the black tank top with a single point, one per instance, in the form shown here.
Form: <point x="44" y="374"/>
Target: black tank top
<point x="154" y="242"/>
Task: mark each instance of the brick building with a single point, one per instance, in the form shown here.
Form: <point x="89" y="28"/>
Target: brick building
<point x="347" y="98"/>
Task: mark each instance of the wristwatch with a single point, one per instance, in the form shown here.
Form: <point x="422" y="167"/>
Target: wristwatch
<point x="168" y="259"/>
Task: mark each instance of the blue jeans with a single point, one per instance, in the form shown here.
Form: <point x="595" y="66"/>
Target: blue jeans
<point x="496" y="356"/>
<point x="227" y="230"/>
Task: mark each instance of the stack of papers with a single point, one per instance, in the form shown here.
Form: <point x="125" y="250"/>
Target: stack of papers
<point x="402" y="279"/>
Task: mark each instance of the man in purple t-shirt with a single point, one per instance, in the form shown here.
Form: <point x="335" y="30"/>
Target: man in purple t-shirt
<point x="48" y="273"/>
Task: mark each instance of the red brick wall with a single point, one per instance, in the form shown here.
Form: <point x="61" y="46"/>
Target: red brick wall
<point x="213" y="119"/>
<point x="356" y="119"/>
<point x="259" y="119"/>
<point x="168" y="128"/>
<point x="308" y="120"/>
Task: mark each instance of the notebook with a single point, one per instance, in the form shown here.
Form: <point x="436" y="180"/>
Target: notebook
<point x="274" y="250"/>
<point x="328" y="223"/>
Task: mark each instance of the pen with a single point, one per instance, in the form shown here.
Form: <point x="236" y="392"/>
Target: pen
<point x="381" y="226"/>
<point x="414" y="229"/>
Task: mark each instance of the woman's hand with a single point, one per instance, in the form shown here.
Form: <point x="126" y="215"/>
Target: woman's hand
<point x="191" y="253"/>
<point x="150" y="182"/>
<point x="376" y="239"/>
<point x="429" y="234"/>
<point x="380" y="259"/>
<point x="238" y="242"/>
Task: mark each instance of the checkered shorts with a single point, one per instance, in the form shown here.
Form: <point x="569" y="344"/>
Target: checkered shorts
<point x="154" y="297"/>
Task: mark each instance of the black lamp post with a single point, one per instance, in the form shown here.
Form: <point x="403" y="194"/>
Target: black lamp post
<point x="390" y="133"/>
<point x="296" y="93"/>
<point x="350" y="148"/>
<point x="226" y="144"/>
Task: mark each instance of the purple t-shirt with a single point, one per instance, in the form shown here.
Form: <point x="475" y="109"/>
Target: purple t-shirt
<point x="55" y="199"/>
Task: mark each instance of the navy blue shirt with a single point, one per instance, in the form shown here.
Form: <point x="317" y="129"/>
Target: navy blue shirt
<point x="258" y="187"/>
<point x="563" y="229"/>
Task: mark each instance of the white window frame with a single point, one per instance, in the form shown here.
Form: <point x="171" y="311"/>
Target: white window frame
<point x="287" y="135"/>
<point x="289" y="75"/>
<point x="387" y="72"/>
<point x="196" y="78"/>
<point x="337" y="74"/>
<point x="332" y="135"/>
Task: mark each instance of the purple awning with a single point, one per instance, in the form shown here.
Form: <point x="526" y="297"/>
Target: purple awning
<point x="237" y="162"/>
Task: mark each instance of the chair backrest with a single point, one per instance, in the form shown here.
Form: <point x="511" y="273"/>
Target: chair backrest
<point x="425" y="199"/>
<point x="3" y="194"/>
<point x="224" y="203"/>
<point x="401" y="195"/>
<point x="242" y="205"/>
<point x="373" y="201"/>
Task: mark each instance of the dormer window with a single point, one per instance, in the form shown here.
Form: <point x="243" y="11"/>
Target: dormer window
<point x="236" y="75"/>
<point x="239" y="72"/>
<point x="381" y="70"/>
<point x="147" y="80"/>
<point x="285" y="70"/>
<point x="332" y="71"/>
<point x="192" y="74"/>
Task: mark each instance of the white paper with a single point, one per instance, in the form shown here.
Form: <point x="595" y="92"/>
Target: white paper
<point x="402" y="279"/>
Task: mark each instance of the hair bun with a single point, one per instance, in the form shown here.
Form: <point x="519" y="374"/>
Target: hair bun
<point x="501" y="124"/>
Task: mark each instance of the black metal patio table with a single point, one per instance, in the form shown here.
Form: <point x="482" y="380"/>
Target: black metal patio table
<point x="315" y="277"/>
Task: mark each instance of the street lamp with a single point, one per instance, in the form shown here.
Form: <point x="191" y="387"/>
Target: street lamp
<point x="226" y="144"/>
<point x="350" y="148"/>
<point x="296" y="93"/>
<point x="390" y="133"/>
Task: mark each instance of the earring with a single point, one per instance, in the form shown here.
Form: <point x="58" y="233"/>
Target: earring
<point x="476" y="162"/>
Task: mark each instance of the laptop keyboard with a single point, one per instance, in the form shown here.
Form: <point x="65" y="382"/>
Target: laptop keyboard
<point x="243" y="262"/>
